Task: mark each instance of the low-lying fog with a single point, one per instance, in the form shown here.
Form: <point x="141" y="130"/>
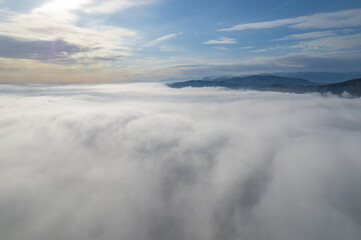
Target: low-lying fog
<point x="146" y="162"/>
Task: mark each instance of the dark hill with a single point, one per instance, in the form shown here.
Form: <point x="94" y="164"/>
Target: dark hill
<point x="275" y="83"/>
<point x="250" y="82"/>
<point x="353" y="87"/>
<point x="320" y="77"/>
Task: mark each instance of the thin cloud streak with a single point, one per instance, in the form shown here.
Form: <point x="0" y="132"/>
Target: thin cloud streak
<point x="309" y="35"/>
<point x="221" y="40"/>
<point x="339" y="19"/>
<point x="161" y="39"/>
<point x="221" y="48"/>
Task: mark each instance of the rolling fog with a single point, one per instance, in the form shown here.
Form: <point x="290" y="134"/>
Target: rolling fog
<point x="146" y="162"/>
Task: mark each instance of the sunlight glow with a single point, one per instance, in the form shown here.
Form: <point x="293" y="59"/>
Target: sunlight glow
<point x="65" y="5"/>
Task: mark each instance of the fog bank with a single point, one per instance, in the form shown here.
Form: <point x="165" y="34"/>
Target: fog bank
<point x="144" y="162"/>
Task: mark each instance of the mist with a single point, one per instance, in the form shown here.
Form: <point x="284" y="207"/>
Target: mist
<point x="146" y="162"/>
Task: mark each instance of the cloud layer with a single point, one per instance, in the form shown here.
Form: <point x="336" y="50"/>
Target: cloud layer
<point x="145" y="162"/>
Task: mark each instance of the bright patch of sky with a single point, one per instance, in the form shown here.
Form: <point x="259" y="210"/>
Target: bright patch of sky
<point x="120" y="40"/>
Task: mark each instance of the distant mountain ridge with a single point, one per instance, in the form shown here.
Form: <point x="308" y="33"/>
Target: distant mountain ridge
<point x="319" y="77"/>
<point x="255" y="81"/>
<point x="275" y="83"/>
<point x="352" y="87"/>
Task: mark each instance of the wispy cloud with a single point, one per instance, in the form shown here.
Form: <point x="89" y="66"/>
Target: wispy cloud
<point x="161" y="39"/>
<point x="245" y="48"/>
<point x="318" y="42"/>
<point x="339" y="19"/>
<point x="221" y="48"/>
<point x="352" y="42"/>
<point x="289" y="62"/>
<point x="171" y="49"/>
<point x="309" y="35"/>
<point x="269" y="49"/>
<point x="221" y="40"/>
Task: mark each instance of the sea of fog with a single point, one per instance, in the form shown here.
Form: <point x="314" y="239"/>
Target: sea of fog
<point x="147" y="162"/>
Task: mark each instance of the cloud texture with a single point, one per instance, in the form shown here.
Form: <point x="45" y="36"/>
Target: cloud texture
<point x="141" y="161"/>
<point x="339" y="19"/>
<point x="40" y="50"/>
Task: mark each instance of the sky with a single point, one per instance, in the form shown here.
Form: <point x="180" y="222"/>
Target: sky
<point x="125" y="40"/>
<point x="142" y="161"/>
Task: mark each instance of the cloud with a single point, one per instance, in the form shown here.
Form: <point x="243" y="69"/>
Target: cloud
<point x="22" y="5"/>
<point x="245" y="48"/>
<point x="308" y="35"/>
<point x="171" y="49"/>
<point x="269" y="49"/>
<point x="221" y="48"/>
<point x="352" y="42"/>
<point x="221" y="40"/>
<point x="115" y="5"/>
<point x="59" y="19"/>
<point x="321" y="43"/>
<point x="294" y="62"/>
<point x="339" y="19"/>
<point x="147" y="162"/>
<point x="40" y="50"/>
<point x="161" y="39"/>
<point x="342" y="63"/>
<point x="156" y="68"/>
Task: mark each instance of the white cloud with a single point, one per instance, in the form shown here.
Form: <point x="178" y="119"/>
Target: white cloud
<point x="58" y="19"/>
<point x="161" y="39"/>
<point x="115" y="5"/>
<point x="146" y="162"/>
<point x="339" y="19"/>
<point x="221" y="40"/>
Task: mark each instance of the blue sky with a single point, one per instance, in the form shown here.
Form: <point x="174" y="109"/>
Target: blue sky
<point x="124" y="40"/>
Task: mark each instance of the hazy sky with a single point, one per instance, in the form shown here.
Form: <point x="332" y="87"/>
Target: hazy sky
<point x="119" y="40"/>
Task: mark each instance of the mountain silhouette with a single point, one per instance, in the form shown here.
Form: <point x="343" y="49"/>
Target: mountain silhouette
<point x="275" y="83"/>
